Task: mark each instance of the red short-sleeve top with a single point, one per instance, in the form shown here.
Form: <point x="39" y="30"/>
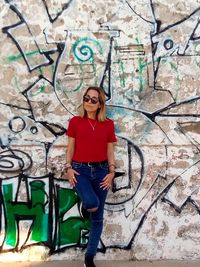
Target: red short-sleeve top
<point x="91" y="138"/>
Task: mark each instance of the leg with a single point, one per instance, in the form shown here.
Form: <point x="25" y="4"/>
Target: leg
<point x="93" y="199"/>
<point x="86" y="193"/>
<point x="97" y="216"/>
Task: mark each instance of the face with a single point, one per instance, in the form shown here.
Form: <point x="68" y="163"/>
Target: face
<point x="92" y="101"/>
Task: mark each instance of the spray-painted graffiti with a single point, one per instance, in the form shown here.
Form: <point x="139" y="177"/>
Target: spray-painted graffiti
<point x="148" y="65"/>
<point x="44" y="207"/>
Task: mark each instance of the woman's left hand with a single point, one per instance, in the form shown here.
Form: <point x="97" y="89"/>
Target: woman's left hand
<point x="107" y="181"/>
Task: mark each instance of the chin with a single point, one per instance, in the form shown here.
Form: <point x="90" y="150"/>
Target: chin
<point x="90" y="109"/>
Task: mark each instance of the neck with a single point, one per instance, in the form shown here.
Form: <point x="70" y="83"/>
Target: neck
<point x="91" y="115"/>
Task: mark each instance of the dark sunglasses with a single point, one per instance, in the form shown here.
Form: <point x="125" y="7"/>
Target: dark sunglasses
<point x="87" y="98"/>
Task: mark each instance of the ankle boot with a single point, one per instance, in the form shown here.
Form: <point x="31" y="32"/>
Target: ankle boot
<point x="89" y="262"/>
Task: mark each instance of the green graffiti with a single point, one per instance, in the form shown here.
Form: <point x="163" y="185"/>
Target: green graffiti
<point x="18" y="57"/>
<point x="57" y="213"/>
<point x="84" y="52"/>
<point x="34" y="210"/>
<point x="16" y="83"/>
<point x="41" y="89"/>
<point x="177" y="81"/>
<point x="71" y="228"/>
<point x="81" y="79"/>
<point x="122" y="76"/>
<point x="196" y="62"/>
<point x="67" y="90"/>
<point x="142" y="66"/>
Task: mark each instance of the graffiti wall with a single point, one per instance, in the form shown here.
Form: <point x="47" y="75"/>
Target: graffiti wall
<point x="146" y="56"/>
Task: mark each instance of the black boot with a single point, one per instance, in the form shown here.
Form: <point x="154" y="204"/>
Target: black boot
<point x="89" y="262"/>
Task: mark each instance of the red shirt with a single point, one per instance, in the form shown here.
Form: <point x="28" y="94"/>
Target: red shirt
<point x="91" y="138"/>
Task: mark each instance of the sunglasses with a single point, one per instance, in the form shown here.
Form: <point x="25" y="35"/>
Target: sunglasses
<point x="93" y="100"/>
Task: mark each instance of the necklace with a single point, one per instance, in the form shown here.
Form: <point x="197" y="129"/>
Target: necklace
<point x="92" y="125"/>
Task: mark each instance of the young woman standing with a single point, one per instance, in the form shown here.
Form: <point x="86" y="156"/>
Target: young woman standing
<point x="91" y="162"/>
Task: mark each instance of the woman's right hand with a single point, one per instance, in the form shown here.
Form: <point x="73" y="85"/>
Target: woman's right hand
<point x="71" y="176"/>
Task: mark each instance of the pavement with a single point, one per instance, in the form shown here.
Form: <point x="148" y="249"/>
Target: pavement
<point x="103" y="263"/>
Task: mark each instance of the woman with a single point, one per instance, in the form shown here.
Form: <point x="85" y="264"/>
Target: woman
<point x="90" y="161"/>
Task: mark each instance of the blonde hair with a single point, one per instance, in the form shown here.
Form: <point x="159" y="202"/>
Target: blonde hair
<point x="101" y="112"/>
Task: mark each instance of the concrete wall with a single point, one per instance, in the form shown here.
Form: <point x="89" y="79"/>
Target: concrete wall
<point x="146" y="55"/>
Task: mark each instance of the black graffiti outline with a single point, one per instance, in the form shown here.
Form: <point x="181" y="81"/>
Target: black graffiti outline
<point x="130" y="146"/>
<point x="13" y="155"/>
<point x="23" y="217"/>
<point x="22" y="21"/>
<point x="65" y="6"/>
<point x="15" y="118"/>
<point x="156" y="61"/>
<point x="189" y="199"/>
<point x="153" y="115"/>
<point x="161" y="196"/>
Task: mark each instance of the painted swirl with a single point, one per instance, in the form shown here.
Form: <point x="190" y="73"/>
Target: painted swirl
<point x="83" y="49"/>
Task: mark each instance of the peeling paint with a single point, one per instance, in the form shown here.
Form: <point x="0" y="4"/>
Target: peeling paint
<point x="148" y="64"/>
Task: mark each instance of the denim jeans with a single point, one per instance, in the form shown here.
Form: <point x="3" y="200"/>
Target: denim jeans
<point x="92" y="196"/>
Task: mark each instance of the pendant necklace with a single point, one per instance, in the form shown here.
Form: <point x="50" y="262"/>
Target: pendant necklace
<point x="93" y="126"/>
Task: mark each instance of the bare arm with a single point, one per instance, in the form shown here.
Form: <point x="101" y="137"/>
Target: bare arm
<point x="70" y="149"/>
<point x="111" y="157"/>
<point x="108" y="179"/>
<point x="70" y="152"/>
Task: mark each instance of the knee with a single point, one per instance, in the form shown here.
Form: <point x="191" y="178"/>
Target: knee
<point x="92" y="209"/>
<point x="91" y="204"/>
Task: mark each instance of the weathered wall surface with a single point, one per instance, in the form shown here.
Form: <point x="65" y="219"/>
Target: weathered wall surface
<point x="146" y="55"/>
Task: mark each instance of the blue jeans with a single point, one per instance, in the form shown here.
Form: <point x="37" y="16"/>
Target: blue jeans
<point x="92" y="196"/>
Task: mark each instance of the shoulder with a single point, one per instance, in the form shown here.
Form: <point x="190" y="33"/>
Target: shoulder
<point x="109" y="121"/>
<point x="75" y="119"/>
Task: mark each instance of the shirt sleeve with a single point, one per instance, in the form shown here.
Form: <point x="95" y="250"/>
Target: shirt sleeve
<point x="71" y="130"/>
<point x="111" y="135"/>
